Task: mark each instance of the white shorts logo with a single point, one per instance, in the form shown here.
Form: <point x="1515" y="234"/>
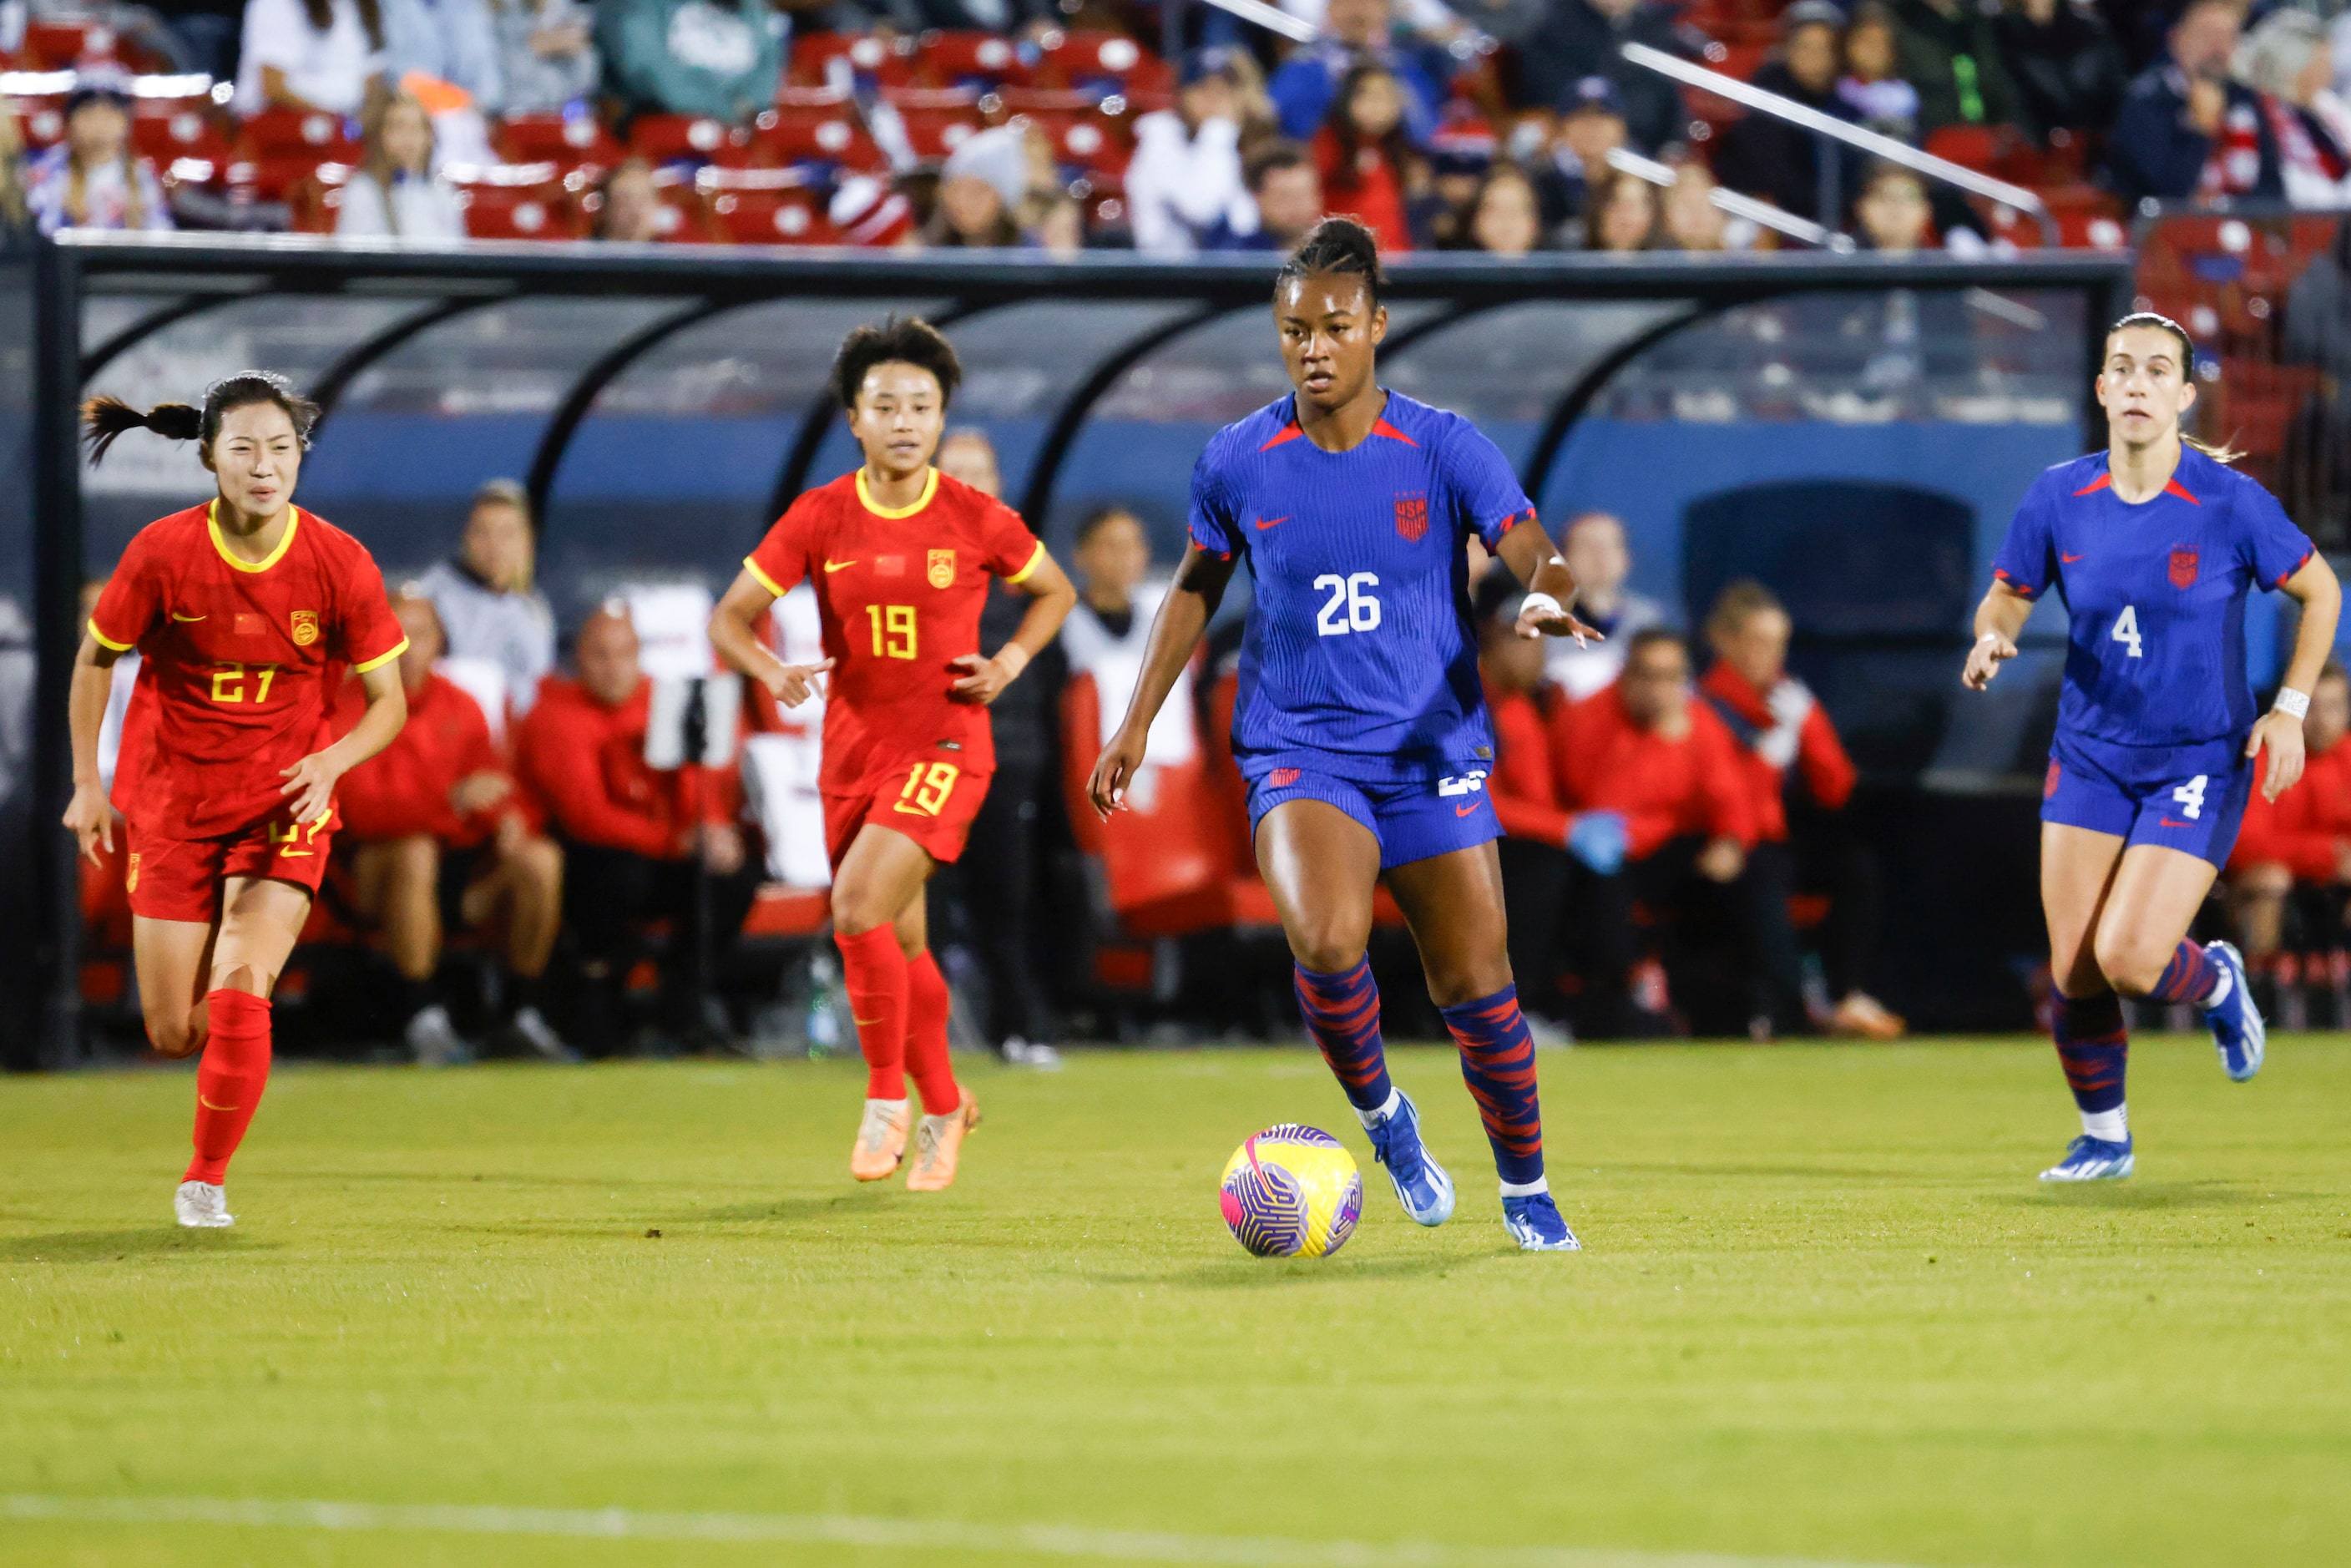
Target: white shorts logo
<point x="1469" y="783"/>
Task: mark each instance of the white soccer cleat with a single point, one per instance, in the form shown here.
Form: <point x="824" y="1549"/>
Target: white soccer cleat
<point x="201" y="1205"/>
<point x="433" y="1041"/>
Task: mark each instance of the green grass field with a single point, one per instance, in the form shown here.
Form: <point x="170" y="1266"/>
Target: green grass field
<point x="1826" y="1316"/>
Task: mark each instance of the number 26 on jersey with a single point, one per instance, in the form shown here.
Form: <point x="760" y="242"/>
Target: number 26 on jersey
<point x="1352" y="606"/>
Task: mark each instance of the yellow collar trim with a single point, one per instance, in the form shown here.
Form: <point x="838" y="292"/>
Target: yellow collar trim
<point x="284" y="540"/>
<point x="865" y="497"/>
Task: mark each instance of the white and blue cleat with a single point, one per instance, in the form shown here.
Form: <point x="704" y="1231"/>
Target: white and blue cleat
<point x="2092" y="1159"/>
<point x="2238" y="1033"/>
<point x="1535" y="1224"/>
<point x="1421" y="1183"/>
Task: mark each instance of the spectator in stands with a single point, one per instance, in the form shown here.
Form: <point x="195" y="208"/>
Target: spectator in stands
<point x="1659" y="776"/>
<point x="1366" y="160"/>
<point x="1767" y="157"/>
<point x="1950" y="52"/>
<point x="394" y="192"/>
<point x="547" y="54"/>
<point x="450" y="41"/>
<point x="1286" y="198"/>
<point x="308" y="54"/>
<point x="2290" y="877"/>
<point x="199" y="35"/>
<point x="1693" y="222"/>
<point x="981" y="190"/>
<point x="94" y="178"/>
<point x="1623" y="215"/>
<point x="1506" y="215"/>
<point x="2067" y="69"/>
<point x="1061" y="226"/>
<point x="1872" y="86"/>
<point x="2286" y="60"/>
<point x="14" y="214"/>
<point x="1597" y="551"/>
<point x="998" y="879"/>
<point x="1893" y="212"/>
<point x="628" y="203"/>
<point x="444" y="838"/>
<point x="2185" y="129"/>
<point x="1590" y="127"/>
<point x="1537" y="830"/>
<point x="715" y="58"/>
<point x="632" y="836"/>
<point x="484" y="596"/>
<point x="1785" y="738"/>
<point x="1354" y="33"/>
<point x="1580" y="38"/>
<point x="1186" y="177"/>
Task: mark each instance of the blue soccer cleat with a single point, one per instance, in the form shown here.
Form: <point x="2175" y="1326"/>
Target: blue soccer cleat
<point x="2238" y="1031"/>
<point x="1421" y="1183"/>
<point x="1534" y="1223"/>
<point x="2092" y="1159"/>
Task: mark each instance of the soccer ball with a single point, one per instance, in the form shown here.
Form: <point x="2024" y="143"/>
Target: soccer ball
<point x="1292" y="1191"/>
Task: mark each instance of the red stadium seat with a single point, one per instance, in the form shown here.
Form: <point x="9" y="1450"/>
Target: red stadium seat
<point x="1083" y="136"/>
<point x="165" y="131"/>
<point x="688" y="139"/>
<point x="765" y="206"/>
<point x="821" y="128"/>
<point x="937" y="120"/>
<point x="963" y="59"/>
<point x="287" y="134"/>
<point x="780" y="913"/>
<point x="515" y="200"/>
<point x="41" y="120"/>
<point x="566" y="141"/>
<point x="1102" y="62"/>
<point x="62" y="45"/>
<point x="313" y="194"/>
<point x="818" y="57"/>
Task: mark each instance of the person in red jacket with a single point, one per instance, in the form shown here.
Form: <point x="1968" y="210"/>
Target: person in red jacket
<point x="1537" y="869"/>
<point x="1660" y="818"/>
<point x="2290" y="876"/>
<point x="1785" y="738"/>
<point x="446" y="840"/>
<point x="630" y="833"/>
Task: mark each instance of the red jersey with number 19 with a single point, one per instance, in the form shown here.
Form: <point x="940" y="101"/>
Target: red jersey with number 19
<point x="899" y="592"/>
<point x="238" y="660"/>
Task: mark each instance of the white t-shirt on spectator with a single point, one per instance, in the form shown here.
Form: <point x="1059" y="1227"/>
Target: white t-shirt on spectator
<point x="329" y="70"/>
<point x="1115" y="663"/>
<point x="414" y="209"/>
<point x="1178" y="186"/>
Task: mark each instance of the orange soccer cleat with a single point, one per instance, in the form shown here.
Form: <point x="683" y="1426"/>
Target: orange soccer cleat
<point x="881" y="1145"/>
<point x="937" y="1143"/>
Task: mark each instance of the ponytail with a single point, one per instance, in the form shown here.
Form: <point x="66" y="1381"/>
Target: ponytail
<point x="105" y="418"/>
<point x="2224" y="453"/>
<point x="2158" y="321"/>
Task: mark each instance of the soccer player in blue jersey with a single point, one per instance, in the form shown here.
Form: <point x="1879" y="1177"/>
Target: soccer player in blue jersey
<point x="1360" y="724"/>
<point x="2153" y="545"/>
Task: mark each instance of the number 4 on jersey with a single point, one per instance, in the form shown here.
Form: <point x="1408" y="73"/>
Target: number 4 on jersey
<point x="2127" y="629"/>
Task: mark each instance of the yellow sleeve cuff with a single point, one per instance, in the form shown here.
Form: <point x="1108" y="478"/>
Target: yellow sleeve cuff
<point x="1035" y="556"/>
<point x="764" y="581"/>
<point x="106" y="642"/>
<point x="380" y="660"/>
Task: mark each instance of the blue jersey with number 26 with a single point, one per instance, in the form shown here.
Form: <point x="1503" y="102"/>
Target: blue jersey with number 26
<point x="2157" y="593"/>
<point x="1358" y="660"/>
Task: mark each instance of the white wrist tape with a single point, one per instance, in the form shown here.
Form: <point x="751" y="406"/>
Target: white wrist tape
<point x="2290" y="701"/>
<point x="1542" y="604"/>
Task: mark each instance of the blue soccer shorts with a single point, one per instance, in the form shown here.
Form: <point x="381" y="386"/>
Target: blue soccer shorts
<point x="2186" y="798"/>
<point x="1429" y="816"/>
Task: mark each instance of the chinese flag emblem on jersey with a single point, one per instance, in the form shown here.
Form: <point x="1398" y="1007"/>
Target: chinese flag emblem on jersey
<point x="2183" y="569"/>
<point x="306" y="628"/>
<point x="1412" y="518"/>
<point x="943" y="568"/>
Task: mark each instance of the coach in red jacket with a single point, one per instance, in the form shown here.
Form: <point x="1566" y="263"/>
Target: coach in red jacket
<point x="444" y="838"/>
<point x="1786" y="742"/>
<point x="1659" y="816"/>
<point x="630" y="833"/>
<point x="2291" y="875"/>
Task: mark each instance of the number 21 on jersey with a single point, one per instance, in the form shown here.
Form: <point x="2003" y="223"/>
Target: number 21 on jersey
<point x="2126" y="630"/>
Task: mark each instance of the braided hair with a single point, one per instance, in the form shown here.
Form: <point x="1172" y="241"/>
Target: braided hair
<point x="105" y="418"/>
<point x="1335" y="245"/>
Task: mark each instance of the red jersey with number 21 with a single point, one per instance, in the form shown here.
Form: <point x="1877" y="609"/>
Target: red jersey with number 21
<point x="238" y="660"/>
<point x="899" y="594"/>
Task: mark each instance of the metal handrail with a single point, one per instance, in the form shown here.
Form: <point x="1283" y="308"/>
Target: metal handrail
<point x="1271" y="19"/>
<point x="1835" y="129"/>
<point x="1778" y="219"/>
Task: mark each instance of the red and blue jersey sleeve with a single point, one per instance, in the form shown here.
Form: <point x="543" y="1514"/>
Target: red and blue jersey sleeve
<point x="1215" y="525"/>
<point x="2027" y="556"/>
<point x="2271" y="545"/>
<point x="1484" y="489"/>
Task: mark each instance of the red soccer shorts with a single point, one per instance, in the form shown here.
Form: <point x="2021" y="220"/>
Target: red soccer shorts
<point x="180" y="879"/>
<point x="930" y="801"/>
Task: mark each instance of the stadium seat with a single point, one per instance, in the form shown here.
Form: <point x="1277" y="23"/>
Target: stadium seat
<point x="814" y="56"/>
<point x="688" y="139"/>
<point x="313" y="195"/>
<point x="167" y="129"/>
<point x="41" y="118"/>
<point x="515" y="200"/>
<point x="564" y="140"/>
<point x="788" y="914"/>
<point x="1085" y="137"/>
<point x="291" y="134"/>
<point x="938" y="119"/>
<point x="59" y="45"/>
<point x="765" y="206"/>
<point x="1102" y="63"/>
<point x="814" y="126"/>
<point x="967" y="59"/>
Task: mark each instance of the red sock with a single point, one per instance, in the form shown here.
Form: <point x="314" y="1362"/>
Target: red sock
<point x="927" y="1003"/>
<point x="873" y="973"/>
<point x="229" y="1079"/>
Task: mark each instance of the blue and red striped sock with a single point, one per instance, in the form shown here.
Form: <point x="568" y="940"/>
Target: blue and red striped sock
<point x="1498" y="1062"/>
<point x="1342" y="1014"/>
<point x="2095" y="1051"/>
<point x="2190" y="977"/>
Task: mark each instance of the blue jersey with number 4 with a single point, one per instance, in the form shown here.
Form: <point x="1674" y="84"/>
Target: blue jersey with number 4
<point x="1359" y="659"/>
<point x="2157" y="593"/>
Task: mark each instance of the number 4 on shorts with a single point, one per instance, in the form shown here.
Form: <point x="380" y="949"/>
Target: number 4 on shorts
<point x="2191" y="796"/>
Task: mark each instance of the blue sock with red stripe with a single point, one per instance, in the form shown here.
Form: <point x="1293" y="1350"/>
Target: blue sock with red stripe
<point x="2190" y="977"/>
<point x="1497" y="1063"/>
<point x="2094" y="1050"/>
<point x="1342" y="1014"/>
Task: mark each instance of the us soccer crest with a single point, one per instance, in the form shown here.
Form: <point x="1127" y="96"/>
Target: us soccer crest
<point x="943" y="568"/>
<point x="306" y="628"/>
<point x="1412" y="518"/>
<point x="2183" y="569"/>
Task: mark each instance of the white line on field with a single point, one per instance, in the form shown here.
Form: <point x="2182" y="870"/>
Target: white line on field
<point x="848" y="1529"/>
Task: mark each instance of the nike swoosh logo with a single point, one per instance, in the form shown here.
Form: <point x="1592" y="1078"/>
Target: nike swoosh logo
<point x="2068" y="560"/>
<point x="1465" y="811"/>
<point x="862" y="1023"/>
<point x="177" y="616"/>
<point x="1265" y="523"/>
<point x="210" y="1106"/>
<point x="838" y="565"/>
<point x="2169" y="823"/>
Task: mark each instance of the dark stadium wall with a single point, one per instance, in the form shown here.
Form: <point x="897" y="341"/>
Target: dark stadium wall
<point x="19" y="841"/>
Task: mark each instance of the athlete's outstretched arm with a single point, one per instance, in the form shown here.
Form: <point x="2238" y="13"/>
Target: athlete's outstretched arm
<point x="90" y="816"/>
<point x="1999" y="619"/>
<point x="1527" y="551"/>
<point x="2314" y="587"/>
<point x="734" y="631"/>
<point x="1051" y="598"/>
<point x="312" y="781"/>
<point x="1191" y="603"/>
